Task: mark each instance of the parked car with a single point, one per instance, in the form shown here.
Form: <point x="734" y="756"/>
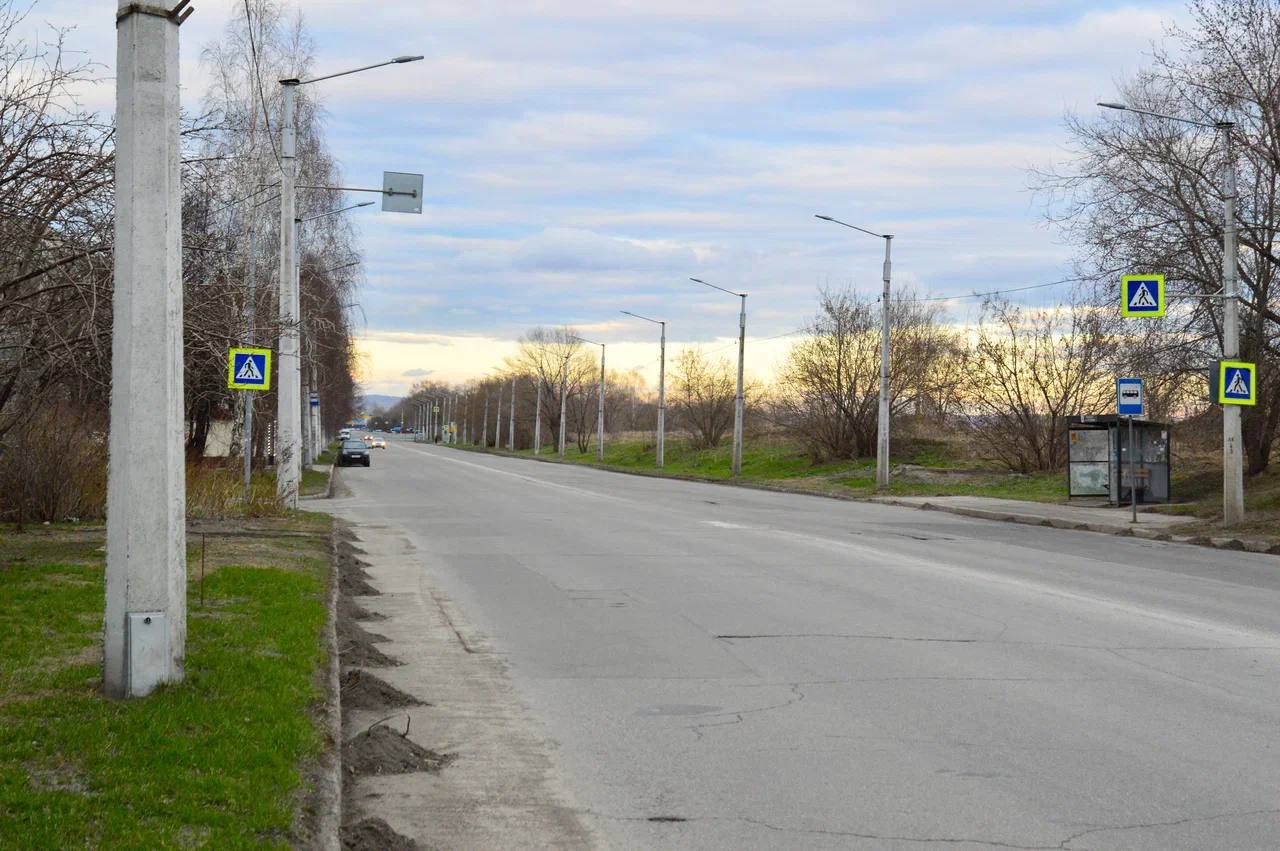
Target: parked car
<point x="353" y="452"/>
<point x="344" y="434"/>
<point x="378" y="443"/>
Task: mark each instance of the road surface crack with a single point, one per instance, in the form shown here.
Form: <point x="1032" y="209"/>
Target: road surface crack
<point x="738" y="716"/>
<point x="818" y="831"/>
<point x="852" y="635"/>
<point x="1066" y="843"/>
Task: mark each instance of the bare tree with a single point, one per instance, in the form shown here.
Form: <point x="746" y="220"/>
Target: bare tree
<point x="829" y="387"/>
<point x="701" y="396"/>
<point x="1029" y="371"/>
<point x="55" y="229"/>
<point x="541" y="354"/>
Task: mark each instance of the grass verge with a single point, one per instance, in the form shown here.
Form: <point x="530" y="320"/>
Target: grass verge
<point x="214" y="761"/>
<point x="928" y="467"/>
<point x="925" y="468"/>
<point x="314" y="482"/>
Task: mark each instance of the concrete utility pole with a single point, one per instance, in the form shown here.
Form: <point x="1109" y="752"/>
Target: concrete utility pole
<point x="250" y="315"/>
<point x="511" y="425"/>
<point x="564" y="387"/>
<point x="145" y="621"/>
<point x="484" y="423"/>
<point x="738" y="402"/>
<point x="599" y="399"/>
<point x="662" y="383"/>
<point x="882" y="426"/>
<point x="497" y="421"/>
<point x="537" y="419"/>
<point x="882" y="429"/>
<point x="600" y="412"/>
<point x="288" y="378"/>
<point x="1232" y="433"/>
<point x="305" y="418"/>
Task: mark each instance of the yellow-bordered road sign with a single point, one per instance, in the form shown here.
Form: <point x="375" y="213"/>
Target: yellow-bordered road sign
<point x="1142" y="295"/>
<point x="249" y="369"/>
<point x="1237" y="383"/>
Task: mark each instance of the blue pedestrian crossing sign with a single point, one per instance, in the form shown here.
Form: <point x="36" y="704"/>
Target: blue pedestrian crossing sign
<point x="249" y="369"/>
<point x="1142" y="295"/>
<point x="1237" y="383"/>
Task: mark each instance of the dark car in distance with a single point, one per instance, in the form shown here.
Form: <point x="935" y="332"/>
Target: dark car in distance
<point x="353" y="452"/>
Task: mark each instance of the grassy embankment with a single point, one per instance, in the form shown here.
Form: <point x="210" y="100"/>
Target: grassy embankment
<point x="936" y="467"/>
<point x="211" y="762"/>
<point x="1197" y="489"/>
<point x="933" y="467"/>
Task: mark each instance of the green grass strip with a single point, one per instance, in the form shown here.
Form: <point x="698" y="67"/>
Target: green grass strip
<point x="212" y="762"/>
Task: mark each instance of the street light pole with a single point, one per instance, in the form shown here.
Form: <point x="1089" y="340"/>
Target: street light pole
<point x="288" y="385"/>
<point x="537" y="419"/>
<point x="289" y="380"/>
<point x="599" y="399"/>
<point x="882" y="424"/>
<point x="1232" y="431"/>
<point x="511" y="425"/>
<point x="738" y="403"/>
<point x="1232" y="428"/>
<point x="497" y="421"/>
<point x="662" y="384"/>
<point x="564" y="390"/>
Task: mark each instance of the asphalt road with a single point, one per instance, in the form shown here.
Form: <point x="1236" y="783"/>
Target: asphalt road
<point x="736" y="669"/>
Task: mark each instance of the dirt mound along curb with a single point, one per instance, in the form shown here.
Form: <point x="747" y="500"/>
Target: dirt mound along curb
<point x="354" y="582"/>
<point x="382" y="750"/>
<point x="374" y="834"/>
<point x="362" y="690"/>
<point x="352" y="630"/>
<point x="349" y="610"/>
<point x="362" y="654"/>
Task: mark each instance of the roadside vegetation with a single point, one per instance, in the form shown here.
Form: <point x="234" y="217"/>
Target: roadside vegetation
<point x="56" y="274"/>
<point x="924" y="467"/>
<point x="217" y="761"/>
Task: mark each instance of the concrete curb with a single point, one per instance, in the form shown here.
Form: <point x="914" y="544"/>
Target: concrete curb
<point x="1221" y="543"/>
<point x="329" y="784"/>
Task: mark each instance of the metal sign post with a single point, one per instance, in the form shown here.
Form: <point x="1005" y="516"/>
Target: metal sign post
<point x="1130" y="403"/>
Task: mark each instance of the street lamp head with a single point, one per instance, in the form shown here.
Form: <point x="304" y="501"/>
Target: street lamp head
<point x="699" y="281"/>
<point x="365" y="204"/>
<point x="824" y="218"/>
<point x="402" y="59"/>
<point x="1106" y="105"/>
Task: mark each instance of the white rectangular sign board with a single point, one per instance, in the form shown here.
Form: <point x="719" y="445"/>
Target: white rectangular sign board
<point x="401" y="192"/>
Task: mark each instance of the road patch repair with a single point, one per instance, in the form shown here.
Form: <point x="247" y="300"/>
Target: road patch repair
<point x="437" y="751"/>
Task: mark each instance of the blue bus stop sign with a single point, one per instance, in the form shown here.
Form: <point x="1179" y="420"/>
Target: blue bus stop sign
<point x="1130" y="400"/>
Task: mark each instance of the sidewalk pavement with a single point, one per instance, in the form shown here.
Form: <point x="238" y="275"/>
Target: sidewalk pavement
<point x="1113" y="521"/>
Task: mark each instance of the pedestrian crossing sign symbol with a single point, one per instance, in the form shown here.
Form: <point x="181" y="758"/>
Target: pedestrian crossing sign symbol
<point x="1237" y="383"/>
<point x="249" y="369"/>
<point x="1142" y="295"/>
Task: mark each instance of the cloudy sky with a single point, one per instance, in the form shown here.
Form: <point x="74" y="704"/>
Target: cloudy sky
<point x="587" y="156"/>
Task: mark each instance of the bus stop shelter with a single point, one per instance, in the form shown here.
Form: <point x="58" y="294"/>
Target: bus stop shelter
<point x="1098" y="459"/>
